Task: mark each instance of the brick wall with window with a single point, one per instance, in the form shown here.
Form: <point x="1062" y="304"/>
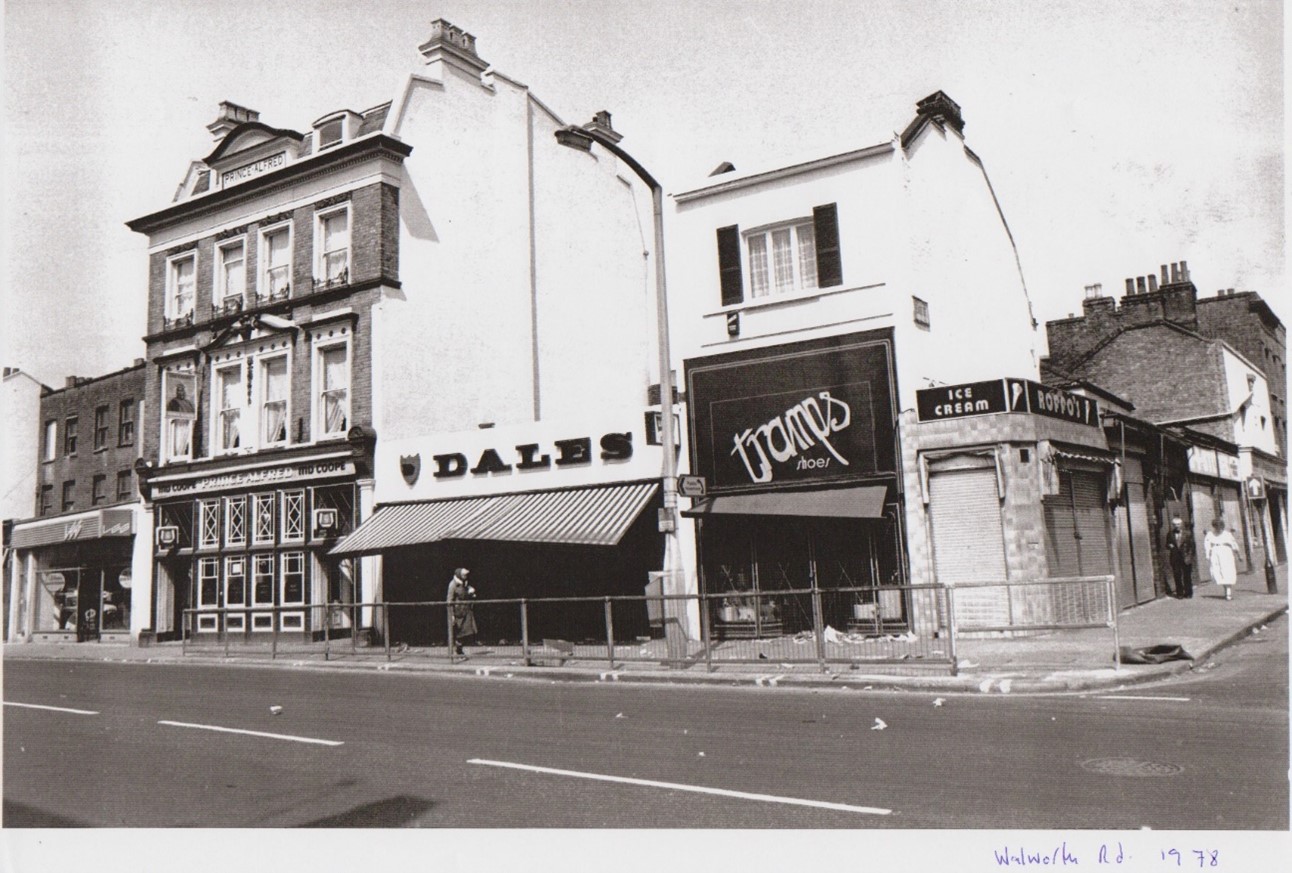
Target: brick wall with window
<point x="96" y="405"/>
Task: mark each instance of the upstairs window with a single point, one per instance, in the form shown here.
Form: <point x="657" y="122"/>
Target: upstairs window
<point x="181" y="273"/>
<point x="100" y="427"/>
<point x="125" y="486"/>
<point x="46" y="499"/>
<point x="273" y="413"/>
<point x="231" y="276"/>
<point x="784" y="258"/>
<point x="69" y="435"/>
<point x="229" y="402"/>
<point x="276" y="263"/>
<point x="99" y="489"/>
<point x="50" y="451"/>
<point x="69" y="495"/>
<point x="329" y="134"/>
<point x="333" y="246"/>
<point x="178" y="416"/>
<point x="333" y="379"/>
<point x="126" y="423"/>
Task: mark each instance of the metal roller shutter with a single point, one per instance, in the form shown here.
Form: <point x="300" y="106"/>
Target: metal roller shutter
<point x="1141" y="544"/>
<point x="1077" y="537"/>
<point x="968" y="541"/>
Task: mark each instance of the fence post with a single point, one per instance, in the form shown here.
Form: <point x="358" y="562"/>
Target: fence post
<point x="354" y="631"/>
<point x="385" y="627"/>
<point x="183" y="633"/>
<point x="706" y="632"/>
<point x="224" y="624"/>
<point x="1112" y="620"/>
<point x="273" y="641"/>
<point x="818" y="619"/>
<point x="327" y="629"/>
<point x="452" y="637"/>
<point x="610" y="635"/>
<point x="950" y="593"/>
<point x="524" y="633"/>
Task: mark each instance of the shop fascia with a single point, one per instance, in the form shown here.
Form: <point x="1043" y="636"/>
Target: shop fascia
<point x="526" y="457"/>
<point x="253" y="476"/>
<point x="92" y="525"/>
<point x="1005" y="395"/>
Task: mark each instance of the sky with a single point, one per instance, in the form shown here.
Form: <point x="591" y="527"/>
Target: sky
<point x="1118" y="136"/>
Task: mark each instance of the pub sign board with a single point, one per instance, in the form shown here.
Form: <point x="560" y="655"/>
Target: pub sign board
<point x="794" y="414"/>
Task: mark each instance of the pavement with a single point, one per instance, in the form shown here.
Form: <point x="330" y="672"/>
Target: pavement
<point x="1053" y="662"/>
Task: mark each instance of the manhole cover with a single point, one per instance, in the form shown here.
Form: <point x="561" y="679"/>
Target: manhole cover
<point x="1131" y="767"/>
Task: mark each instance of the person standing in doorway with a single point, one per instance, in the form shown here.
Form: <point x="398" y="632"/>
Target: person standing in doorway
<point x="1222" y="553"/>
<point x="459" y="596"/>
<point x="1180" y="550"/>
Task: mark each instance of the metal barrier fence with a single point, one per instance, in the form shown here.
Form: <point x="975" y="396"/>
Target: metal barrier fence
<point x="906" y="627"/>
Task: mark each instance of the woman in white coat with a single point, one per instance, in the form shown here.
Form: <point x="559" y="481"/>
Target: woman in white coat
<point x="1222" y="555"/>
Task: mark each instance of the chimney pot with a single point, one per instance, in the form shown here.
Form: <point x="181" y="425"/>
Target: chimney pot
<point x="1184" y="271"/>
<point x="1152" y="283"/>
<point x="1175" y="272"/>
<point x="1130" y="286"/>
<point x="1140" y="286"/>
<point x="1164" y="278"/>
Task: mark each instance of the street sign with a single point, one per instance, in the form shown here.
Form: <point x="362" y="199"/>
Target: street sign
<point x="691" y="486"/>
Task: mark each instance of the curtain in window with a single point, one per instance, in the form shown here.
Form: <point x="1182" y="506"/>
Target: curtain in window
<point x="758" y="266"/>
<point x="279" y="263"/>
<point x="184" y="286"/>
<point x="230" y="409"/>
<point x="336" y="245"/>
<point x="275" y="388"/>
<point x="234" y="274"/>
<point x="336" y="381"/>
<point x="782" y="261"/>
<point x="807" y="254"/>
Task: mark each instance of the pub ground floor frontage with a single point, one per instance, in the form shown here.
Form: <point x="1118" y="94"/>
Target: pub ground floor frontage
<point x="75" y="577"/>
<point x="242" y="551"/>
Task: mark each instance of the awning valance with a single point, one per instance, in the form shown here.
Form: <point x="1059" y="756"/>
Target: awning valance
<point x="593" y="516"/>
<point x="865" y="501"/>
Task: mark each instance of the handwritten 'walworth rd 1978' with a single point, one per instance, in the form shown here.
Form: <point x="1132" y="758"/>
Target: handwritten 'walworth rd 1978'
<point x="1108" y="854"/>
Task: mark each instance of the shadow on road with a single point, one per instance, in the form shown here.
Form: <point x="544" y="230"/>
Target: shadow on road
<point x="20" y="815"/>
<point x="398" y="811"/>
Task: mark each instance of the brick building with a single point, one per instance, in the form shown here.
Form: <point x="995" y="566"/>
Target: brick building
<point x="1230" y="408"/>
<point x="76" y="559"/>
<point x="338" y="314"/>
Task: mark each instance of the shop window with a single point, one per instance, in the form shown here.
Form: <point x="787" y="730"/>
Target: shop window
<point x="235" y="581"/>
<point x="178" y="515"/>
<point x="125" y="485"/>
<point x="784" y="258"/>
<point x="179" y="390"/>
<point x="46" y="499"/>
<point x="293" y="516"/>
<point x="263" y="519"/>
<point x="231" y="276"/>
<point x="293" y="578"/>
<point x="208" y="524"/>
<point x="100" y="427"/>
<point x="332" y="243"/>
<point x="208" y="582"/>
<point x="69" y="495"/>
<point x="116" y="600"/>
<point x="235" y="521"/>
<point x="98" y="489"/>
<point x="333" y="399"/>
<point x="181" y="272"/>
<point x="56" y="600"/>
<point x="51" y="440"/>
<point x="126" y="423"/>
<point x="273" y="412"/>
<point x="262" y="590"/>
<point x="69" y="435"/>
<point x="229" y="394"/>
<point x="276" y="263"/>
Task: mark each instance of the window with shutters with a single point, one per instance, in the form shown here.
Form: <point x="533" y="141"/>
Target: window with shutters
<point x="788" y="257"/>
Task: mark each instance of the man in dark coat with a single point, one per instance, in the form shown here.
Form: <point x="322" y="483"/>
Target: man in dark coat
<point x="1180" y="549"/>
<point x="459" y="596"/>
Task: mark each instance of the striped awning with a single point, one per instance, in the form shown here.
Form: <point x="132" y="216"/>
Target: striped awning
<point x="593" y="516"/>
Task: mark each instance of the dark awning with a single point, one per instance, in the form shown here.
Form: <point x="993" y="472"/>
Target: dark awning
<point x="866" y="501"/>
<point x="593" y="516"/>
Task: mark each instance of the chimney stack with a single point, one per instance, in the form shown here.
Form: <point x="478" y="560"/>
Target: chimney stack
<point x="449" y="44"/>
<point x="600" y="123"/>
<point x="941" y="108"/>
<point x="231" y="115"/>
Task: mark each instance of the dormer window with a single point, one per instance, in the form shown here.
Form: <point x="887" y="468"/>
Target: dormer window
<point x="330" y="133"/>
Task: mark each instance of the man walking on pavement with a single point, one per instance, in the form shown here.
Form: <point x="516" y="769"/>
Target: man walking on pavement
<point x="1180" y="549"/>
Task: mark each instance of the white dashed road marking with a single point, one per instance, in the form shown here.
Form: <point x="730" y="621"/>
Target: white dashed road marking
<point x="677" y="786"/>
<point x="1139" y="697"/>
<point x="228" y="730"/>
<point x="53" y="708"/>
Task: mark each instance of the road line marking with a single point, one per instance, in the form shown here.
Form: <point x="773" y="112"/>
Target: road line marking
<point x="676" y="786"/>
<point x="53" y="708"/>
<point x="1139" y="697"/>
<point x="228" y="730"/>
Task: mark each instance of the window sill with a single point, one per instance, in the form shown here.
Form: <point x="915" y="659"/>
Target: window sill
<point x="774" y="301"/>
